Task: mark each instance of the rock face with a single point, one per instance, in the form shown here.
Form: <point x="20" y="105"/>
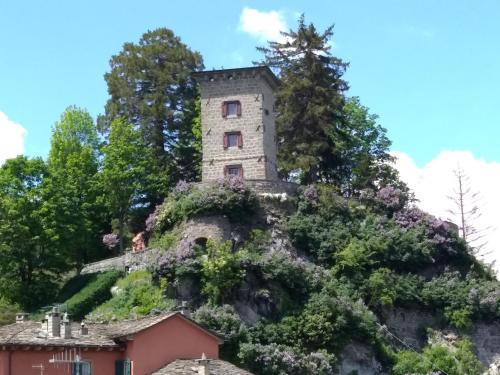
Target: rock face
<point x="359" y="359"/>
<point x="409" y="325"/>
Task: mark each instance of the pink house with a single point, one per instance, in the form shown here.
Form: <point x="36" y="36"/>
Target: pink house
<point x="135" y="347"/>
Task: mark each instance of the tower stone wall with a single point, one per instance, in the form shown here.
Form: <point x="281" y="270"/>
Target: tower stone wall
<point x="254" y="91"/>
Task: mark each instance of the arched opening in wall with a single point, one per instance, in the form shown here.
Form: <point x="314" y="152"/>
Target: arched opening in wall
<point x="200" y="245"/>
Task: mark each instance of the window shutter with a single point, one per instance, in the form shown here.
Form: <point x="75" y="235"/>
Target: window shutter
<point x="119" y="367"/>
<point x="238" y="109"/>
<point x="224" y="109"/>
<point x="240" y="171"/>
<point x="225" y="170"/>
<point x="225" y="141"/>
<point x="240" y="140"/>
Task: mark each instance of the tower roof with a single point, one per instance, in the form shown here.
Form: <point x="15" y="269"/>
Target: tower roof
<point x="263" y="70"/>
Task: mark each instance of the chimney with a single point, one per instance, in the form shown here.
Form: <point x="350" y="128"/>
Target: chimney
<point x="66" y="327"/>
<point x="203" y="368"/>
<point x="22" y="317"/>
<point x="84" y="330"/>
<point x="54" y="323"/>
<point x="185" y="309"/>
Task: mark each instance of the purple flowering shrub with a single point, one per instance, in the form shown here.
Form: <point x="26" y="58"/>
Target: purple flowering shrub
<point x="311" y="195"/>
<point x="182" y="187"/>
<point x="438" y="233"/>
<point x="111" y="240"/>
<point x="221" y="319"/>
<point x="274" y="359"/>
<point x="388" y="199"/>
<point x="227" y="196"/>
<point x="179" y="261"/>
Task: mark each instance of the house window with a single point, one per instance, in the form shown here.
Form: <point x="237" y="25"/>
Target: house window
<point x="233" y="139"/>
<point x="123" y="367"/>
<point x="233" y="170"/>
<point x="231" y="109"/>
<point x="81" y="368"/>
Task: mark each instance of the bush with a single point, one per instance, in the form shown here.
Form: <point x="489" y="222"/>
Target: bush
<point x="74" y="284"/>
<point x="136" y="295"/>
<point x="8" y="312"/>
<point x="224" y="321"/>
<point x="225" y="197"/>
<point x="436" y="358"/>
<point x="276" y="359"/>
<point x="95" y="292"/>
<point x="221" y="271"/>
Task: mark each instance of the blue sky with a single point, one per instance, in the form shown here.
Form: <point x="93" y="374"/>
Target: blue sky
<point x="429" y="68"/>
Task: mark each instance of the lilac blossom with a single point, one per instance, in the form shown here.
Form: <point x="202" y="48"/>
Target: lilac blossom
<point x="111" y="240"/>
<point x="182" y="187"/>
<point x="311" y="195"/>
<point x="152" y="218"/>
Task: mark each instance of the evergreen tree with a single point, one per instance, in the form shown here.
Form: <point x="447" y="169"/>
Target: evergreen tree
<point x="150" y="85"/>
<point x="310" y="102"/>
<point x="72" y="204"/>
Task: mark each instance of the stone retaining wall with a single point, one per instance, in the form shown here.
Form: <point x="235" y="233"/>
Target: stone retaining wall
<point x="200" y="227"/>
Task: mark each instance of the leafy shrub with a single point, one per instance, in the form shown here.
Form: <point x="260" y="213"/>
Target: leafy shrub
<point x="136" y="296"/>
<point x="74" y="284"/>
<point x="8" y="312"/>
<point x="226" y="197"/>
<point x="435" y="358"/>
<point x="226" y="323"/>
<point x="274" y="359"/>
<point x="183" y="260"/>
<point x="164" y="241"/>
<point x="95" y="292"/>
<point x="221" y="271"/>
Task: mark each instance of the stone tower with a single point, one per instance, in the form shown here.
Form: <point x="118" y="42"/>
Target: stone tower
<point x="238" y="123"/>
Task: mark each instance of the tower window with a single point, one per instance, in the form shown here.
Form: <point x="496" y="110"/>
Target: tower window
<point x="231" y="109"/>
<point x="233" y="170"/>
<point x="233" y="139"/>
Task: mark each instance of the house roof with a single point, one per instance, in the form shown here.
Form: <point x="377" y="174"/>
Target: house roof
<point x="99" y="334"/>
<point x="190" y="367"/>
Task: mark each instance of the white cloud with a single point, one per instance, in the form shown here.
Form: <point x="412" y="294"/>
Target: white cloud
<point x="11" y="138"/>
<point x="262" y="25"/>
<point x="435" y="182"/>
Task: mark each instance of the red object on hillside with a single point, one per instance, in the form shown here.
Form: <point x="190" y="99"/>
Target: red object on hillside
<point x="134" y="347"/>
<point x="139" y="242"/>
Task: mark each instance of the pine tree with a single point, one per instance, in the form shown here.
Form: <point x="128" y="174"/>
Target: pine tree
<point x="309" y="103"/>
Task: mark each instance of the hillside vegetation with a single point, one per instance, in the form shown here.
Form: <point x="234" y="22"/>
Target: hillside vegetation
<point x="350" y="259"/>
<point x="302" y="279"/>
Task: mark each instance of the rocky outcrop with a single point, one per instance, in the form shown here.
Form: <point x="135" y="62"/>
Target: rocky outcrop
<point x="357" y="358"/>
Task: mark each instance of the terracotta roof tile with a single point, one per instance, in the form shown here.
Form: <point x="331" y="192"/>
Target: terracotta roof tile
<point x="99" y="334"/>
<point x="190" y="367"/>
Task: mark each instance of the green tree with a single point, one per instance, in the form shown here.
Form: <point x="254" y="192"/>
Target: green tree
<point x="310" y="121"/>
<point x="126" y="172"/>
<point x="30" y="260"/>
<point x="150" y="85"/>
<point x="72" y="205"/>
<point x="366" y="158"/>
